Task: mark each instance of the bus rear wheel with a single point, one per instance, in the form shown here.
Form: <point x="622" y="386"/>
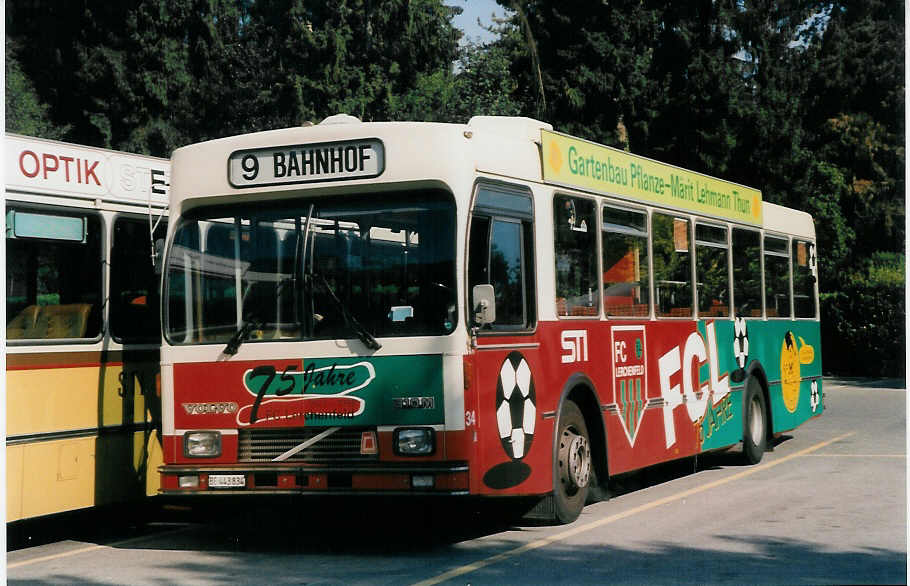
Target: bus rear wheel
<point x="573" y="464"/>
<point x="755" y="423"/>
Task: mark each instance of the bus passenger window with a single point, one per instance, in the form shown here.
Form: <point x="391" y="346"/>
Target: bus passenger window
<point x="625" y="262"/>
<point x="777" y="277"/>
<point x="478" y="254"/>
<point x="711" y="275"/>
<point x="506" y="272"/>
<point x="501" y="254"/>
<point x="672" y="268"/>
<point x="53" y="275"/>
<point x="134" y="285"/>
<point x="804" y="273"/>
<point x="575" y="245"/>
<point x="747" y="272"/>
<point x="181" y="274"/>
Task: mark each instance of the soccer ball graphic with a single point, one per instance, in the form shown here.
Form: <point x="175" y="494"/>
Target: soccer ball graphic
<point x="740" y="342"/>
<point x="516" y="410"/>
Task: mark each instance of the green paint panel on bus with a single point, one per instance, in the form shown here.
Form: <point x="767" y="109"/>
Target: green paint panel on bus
<point x="721" y="424"/>
<point x="387" y="390"/>
<point x="790" y="354"/>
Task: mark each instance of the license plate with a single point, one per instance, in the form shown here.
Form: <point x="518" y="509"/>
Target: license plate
<point x="227" y="481"/>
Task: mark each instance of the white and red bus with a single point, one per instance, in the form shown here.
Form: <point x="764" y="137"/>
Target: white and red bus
<point x="83" y="410"/>
<point x="488" y="309"/>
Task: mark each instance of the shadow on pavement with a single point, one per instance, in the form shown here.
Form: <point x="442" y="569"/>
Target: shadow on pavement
<point x="322" y="523"/>
<point x="314" y="554"/>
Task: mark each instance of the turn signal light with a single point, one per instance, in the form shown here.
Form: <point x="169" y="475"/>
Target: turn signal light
<point x="368" y="444"/>
<point x="188" y="481"/>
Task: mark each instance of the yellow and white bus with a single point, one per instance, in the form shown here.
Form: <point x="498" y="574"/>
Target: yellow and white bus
<point x="82" y="325"/>
<point x="488" y="309"/>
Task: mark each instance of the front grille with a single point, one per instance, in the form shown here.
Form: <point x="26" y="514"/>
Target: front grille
<point x="341" y="447"/>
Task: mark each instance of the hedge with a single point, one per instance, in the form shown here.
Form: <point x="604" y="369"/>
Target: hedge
<point x="863" y="331"/>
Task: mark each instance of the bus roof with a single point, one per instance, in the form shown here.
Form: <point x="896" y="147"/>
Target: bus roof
<point x="390" y="153"/>
<point x="47" y="167"/>
<point x="788" y="221"/>
<point x="278" y="162"/>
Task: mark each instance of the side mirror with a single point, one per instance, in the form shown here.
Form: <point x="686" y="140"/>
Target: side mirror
<point x="159" y="255"/>
<point x="484" y="304"/>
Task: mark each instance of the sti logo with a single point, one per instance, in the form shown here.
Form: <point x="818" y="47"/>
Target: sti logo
<point x="575" y="342"/>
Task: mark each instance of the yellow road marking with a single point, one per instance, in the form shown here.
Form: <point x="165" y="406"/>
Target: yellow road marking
<point x="455" y="572"/>
<point x="857" y="455"/>
<point x="73" y="552"/>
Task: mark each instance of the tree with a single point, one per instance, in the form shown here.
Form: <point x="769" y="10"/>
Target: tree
<point x="855" y="121"/>
<point x="589" y="59"/>
<point x="25" y="112"/>
<point x="149" y="75"/>
<point x="355" y="56"/>
<point x="481" y="85"/>
<point x="136" y="75"/>
<point x="697" y="88"/>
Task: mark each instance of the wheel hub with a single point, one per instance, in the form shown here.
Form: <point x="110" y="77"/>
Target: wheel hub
<point x="576" y="455"/>
<point x="756" y="423"/>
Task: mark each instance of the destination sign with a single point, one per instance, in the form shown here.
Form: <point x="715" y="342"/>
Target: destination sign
<point x="578" y="163"/>
<point x="328" y="161"/>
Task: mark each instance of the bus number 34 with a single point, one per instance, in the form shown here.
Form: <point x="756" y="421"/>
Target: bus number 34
<point x="470" y="418"/>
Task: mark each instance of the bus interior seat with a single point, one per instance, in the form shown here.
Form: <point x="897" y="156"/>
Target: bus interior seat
<point x="49" y="322"/>
<point x="561" y="308"/>
<point x="627" y="310"/>
<point x="23" y="322"/>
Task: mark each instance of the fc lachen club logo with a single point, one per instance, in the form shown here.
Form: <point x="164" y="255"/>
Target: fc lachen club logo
<point x="630" y="377"/>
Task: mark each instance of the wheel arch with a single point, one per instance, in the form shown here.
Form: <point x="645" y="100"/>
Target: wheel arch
<point x="581" y="390"/>
<point x="756" y="371"/>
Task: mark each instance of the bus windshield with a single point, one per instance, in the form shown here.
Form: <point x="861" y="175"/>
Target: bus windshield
<point x="301" y="269"/>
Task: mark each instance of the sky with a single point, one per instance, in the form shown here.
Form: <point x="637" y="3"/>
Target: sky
<point x="474" y="9"/>
<point x="482" y="9"/>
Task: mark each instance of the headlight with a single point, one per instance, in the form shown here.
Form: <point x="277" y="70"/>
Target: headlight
<point x="202" y="444"/>
<point x="415" y="442"/>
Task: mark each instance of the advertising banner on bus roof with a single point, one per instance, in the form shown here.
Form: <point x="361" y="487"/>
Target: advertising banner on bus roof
<point x="42" y="166"/>
<point x="586" y="165"/>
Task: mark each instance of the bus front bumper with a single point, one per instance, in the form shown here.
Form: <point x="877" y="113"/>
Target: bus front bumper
<point x="447" y="478"/>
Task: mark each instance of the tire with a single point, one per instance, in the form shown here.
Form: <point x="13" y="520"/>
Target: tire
<point x="573" y="469"/>
<point x="755" y="423"/>
<point x="596" y="492"/>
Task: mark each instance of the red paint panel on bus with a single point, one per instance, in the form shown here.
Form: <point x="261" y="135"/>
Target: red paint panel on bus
<point x="209" y="396"/>
<point x="617" y="362"/>
<point x="513" y="450"/>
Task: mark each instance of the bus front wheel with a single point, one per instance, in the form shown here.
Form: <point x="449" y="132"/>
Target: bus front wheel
<point x="573" y="464"/>
<point x="755" y="423"/>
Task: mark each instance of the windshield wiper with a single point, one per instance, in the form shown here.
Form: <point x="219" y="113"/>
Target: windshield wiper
<point x="241" y="335"/>
<point x="252" y="322"/>
<point x="362" y="334"/>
